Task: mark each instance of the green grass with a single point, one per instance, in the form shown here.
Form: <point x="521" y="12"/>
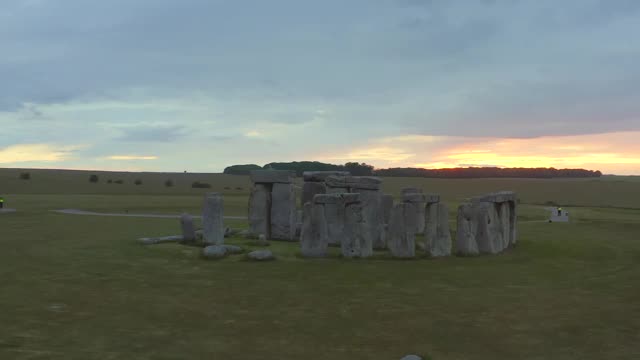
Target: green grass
<point x="80" y="287"/>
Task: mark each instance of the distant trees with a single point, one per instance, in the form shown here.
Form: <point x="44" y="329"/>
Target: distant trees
<point x="199" y="185"/>
<point x="241" y="169"/>
<point x="488" y="172"/>
<point x="168" y="183"/>
<point x="93" y="178"/>
<point x="119" y="182"/>
<point x="25" y="176"/>
<point x="359" y="169"/>
<point x="138" y="182"/>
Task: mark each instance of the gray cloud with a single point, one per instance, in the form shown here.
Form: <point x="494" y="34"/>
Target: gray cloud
<point x="153" y="133"/>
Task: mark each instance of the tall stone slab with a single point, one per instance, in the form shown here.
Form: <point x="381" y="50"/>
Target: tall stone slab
<point x="419" y="204"/>
<point x="431" y="224"/>
<point x="212" y="219"/>
<point x="467" y="225"/>
<point x="188" y="229"/>
<point x="401" y="238"/>
<point x="314" y="237"/>
<point x="260" y="210"/>
<point x="355" y="243"/>
<point x="373" y="217"/>
<point x="441" y="246"/>
<point x="283" y="212"/>
<point x="311" y="189"/>
<point x="513" y="222"/>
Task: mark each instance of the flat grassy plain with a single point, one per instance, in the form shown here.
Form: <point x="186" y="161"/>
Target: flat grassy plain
<point x="80" y="287"/>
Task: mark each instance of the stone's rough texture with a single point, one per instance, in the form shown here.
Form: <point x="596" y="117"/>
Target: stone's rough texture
<point x="337" y="190"/>
<point x="410" y="191"/>
<point x="214" y="252"/>
<point x="283" y="212"/>
<point x="354" y="243"/>
<point x="261" y="255"/>
<point x="419" y="203"/>
<point x="401" y="238"/>
<point x="272" y="176"/>
<point x="466" y="244"/>
<point x="353" y="182"/>
<point x="334" y="205"/>
<point x="311" y="189"/>
<point x="260" y="210"/>
<point x="321" y="176"/>
<point x="497" y="197"/>
<point x="431" y="224"/>
<point x="486" y="234"/>
<point x="233" y="249"/>
<point x="432" y="198"/>
<point x="212" y="219"/>
<point x="513" y="222"/>
<point x="373" y="215"/>
<point x="387" y="205"/>
<point x="188" y="230"/>
<point x="441" y="246"/>
<point x="314" y="238"/>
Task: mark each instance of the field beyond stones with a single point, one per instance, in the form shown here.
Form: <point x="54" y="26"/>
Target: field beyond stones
<point x="81" y="287"/>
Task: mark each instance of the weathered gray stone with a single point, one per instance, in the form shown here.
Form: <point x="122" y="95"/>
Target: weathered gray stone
<point x="272" y="176"/>
<point x="410" y="191"/>
<point x="188" y="230"/>
<point x="373" y="217"/>
<point x="214" y="252"/>
<point x="401" y="238"/>
<point x="337" y="190"/>
<point x="354" y="242"/>
<point x="431" y="224"/>
<point x="513" y="222"/>
<point x="419" y="203"/>
<point x="261" y="255"/>
<point x="488" y="234"/>
<point x="160" y="240"/>
<point x="467" y="226"/>
<point x="283" y="212"/>
<point x="311" y="189"/>
<point x="314" y="239"/>
<point x="387" y="205"/>
<point x="441" y="246"/>
<point x="432" y="198"/>
<point x="336" y="198"/>
<point x="233" y="249"/>
<point x="353" y="182"/>
<point x="497" y="197"/>
<point x="321" y="176"/>
<point x="260" y="209"/>
<point x="411" y="357"/>
<point x="212" y="219"/>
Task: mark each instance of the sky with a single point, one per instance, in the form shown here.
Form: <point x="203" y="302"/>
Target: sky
<point x="197" y="85"/>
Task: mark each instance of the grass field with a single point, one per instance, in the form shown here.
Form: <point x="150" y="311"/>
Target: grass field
<point x="80" y="287"/>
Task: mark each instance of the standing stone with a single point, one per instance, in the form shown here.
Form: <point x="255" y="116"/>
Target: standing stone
<point x="337" y="190"/>
<point x="355" y="243"/>
<point x="401" y="238"/>
<point x="486" y="236"/>
<point x="283" y="212"/>
<point x="260" y="209"/>
<point x="373" y="217"/>
<point x="387" y="205"/>
<point x="314" y="239"/>
<point x="513" y="221"/>
<point x="419" y="203"/>
<point x="188" y="230"/>
<point x="441" y="246"/>
<point x="311" y="189"/>
<point x="466" y="244"/>
<point x="505" y="230"/>
<point x="212" y="219"/>
<point x="431" y="224"/>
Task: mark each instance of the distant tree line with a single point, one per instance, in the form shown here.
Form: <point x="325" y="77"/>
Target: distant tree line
<point x="357" y="169"/>
<point x="362" y="169"/>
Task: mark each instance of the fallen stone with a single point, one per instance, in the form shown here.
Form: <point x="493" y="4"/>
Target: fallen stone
<point x="261" y="255"/>
<point x="321" y="176"/>
<point x="401" y="238"/>
<point x="188" y="230"/>
<point x="283" y="212"/>
<point x="411" y="357"/>
<point x="212" y="219"/>
<point x="233" y="249"/>
<point x="161" y="240"/>
<point x="259" y="209"/>
<point x="272" y="176"/>
<point x="214" y="252"/>
<point x="314" y="237"/>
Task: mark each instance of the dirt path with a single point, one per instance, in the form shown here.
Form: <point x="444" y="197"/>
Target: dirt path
<point x="160" y="216"/>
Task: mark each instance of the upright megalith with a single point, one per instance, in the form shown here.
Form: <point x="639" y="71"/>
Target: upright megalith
<point x="401" y="237"/>
<point x="272" y="204"/>
<point x="387" y="205"/>
<point x="283" y="212"/>
<point x="437" y="234"/>
<point x="260" y="209"/>
<point x="212" y="219"/>
<point x="314" y="183"/>
<point x="188" y="229"/>
<point x="314" y="237"/>
<point x="487" y="224"/>
<point x="356" y="242"/>
<point x="417" y="204"/>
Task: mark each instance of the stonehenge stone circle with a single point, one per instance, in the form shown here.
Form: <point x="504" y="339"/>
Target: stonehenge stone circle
<point x="487" y="224"/>
<point x="212" y="219"/>
<point x="401" y="237"/>
<point x="418" y="202"/>
<point x="437" y="235"/>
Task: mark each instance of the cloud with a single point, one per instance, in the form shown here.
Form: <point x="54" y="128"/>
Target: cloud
<point x="27" y="153"/>
<point x="153" y="133"/>
<point x="131" y="157"/>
